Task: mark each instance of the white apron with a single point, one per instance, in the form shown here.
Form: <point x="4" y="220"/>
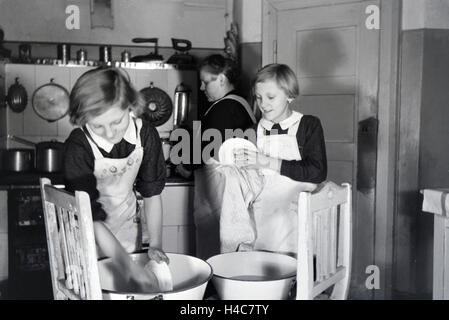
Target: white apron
<point x="259" y="206"/>
<point x="275" y="210"/>
<point x="208" y="197"/>
<point x="115" y="184"/>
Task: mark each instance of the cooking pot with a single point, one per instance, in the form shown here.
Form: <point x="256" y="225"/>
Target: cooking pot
<point x="18" y="160"/>
<point x="51" y="101"/>
<point x="49" y="154"/>
<point x="253" y="275"/>
<point x="17" y="97"/>
<point x="190" y="277"/>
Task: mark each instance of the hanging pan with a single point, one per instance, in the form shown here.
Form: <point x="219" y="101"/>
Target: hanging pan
<point x="51" y="101"/>
<point x="17" y="97"/>
<point x="159" y="106"/>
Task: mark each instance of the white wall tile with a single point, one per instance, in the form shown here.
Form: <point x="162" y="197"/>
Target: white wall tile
<point x="186" y="239"/>
<point x="64" y="128"/>
<point x="75" y="73"/>
<point x="170" y="239"/>
<point x="177" y="202"/>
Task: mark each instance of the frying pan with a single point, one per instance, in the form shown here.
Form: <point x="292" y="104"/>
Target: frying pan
<point x="159" y="106"/>
<point x="51" y="101"/>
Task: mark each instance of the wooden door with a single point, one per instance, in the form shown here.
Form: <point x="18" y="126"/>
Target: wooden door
<point x="336" y="59"/>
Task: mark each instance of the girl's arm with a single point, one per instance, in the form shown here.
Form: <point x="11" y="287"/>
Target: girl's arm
<point x="138" y="278"/>
<point x="313" y="166"/>
<point x="153" y="217"/>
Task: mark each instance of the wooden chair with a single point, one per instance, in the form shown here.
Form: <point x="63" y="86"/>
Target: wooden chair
<point x="324" y="235"/>
<point x="71" y="243"/>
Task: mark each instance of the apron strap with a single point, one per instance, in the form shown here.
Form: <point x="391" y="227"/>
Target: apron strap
<point x="239" y="99"/>
<point x="244" y="103"/>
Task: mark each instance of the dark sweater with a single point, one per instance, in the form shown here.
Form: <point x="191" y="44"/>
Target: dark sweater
<point x="225" y="114"/>
<point x="313" y="166"/>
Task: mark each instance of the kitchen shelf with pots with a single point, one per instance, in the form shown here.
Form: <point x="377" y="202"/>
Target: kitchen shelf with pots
<point x="149" y="65"/>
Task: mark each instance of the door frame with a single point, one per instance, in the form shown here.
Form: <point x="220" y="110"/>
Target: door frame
<point x="387" y="140"/>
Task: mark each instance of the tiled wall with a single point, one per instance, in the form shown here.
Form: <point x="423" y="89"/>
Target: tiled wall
<point x="178" y="230"/>
<point x="30" y="126"/>
<point x="178" y="234"/>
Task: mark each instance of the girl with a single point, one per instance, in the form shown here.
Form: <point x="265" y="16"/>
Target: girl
<point x="109" y="154"/>
<point x="292" y="146"/>
<point x="288" y="142"/>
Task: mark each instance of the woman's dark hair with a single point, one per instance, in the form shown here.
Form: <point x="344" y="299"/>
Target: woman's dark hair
<point x="217" y="64"/>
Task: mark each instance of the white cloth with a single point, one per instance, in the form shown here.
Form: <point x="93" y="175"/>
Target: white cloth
<point x="257" y="210"/>
<point x="237" y="224"/>
<point x="162" y="273"/>
<point x="115" y="184"/>
<point x="436" y="201"/>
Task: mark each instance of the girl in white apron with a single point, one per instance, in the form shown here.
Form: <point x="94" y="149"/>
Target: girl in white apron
<point x="107" y="157"/>
<point x="292" y="146"/>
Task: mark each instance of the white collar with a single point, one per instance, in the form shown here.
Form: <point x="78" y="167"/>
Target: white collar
<point x="284" y="124"/>
<point x="130" y="136"/>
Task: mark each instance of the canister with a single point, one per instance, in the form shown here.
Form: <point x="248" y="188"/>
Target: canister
<point x="64" y="53"/>
<point x="81" y="55"/>
<point x="105" y="54"/>
<point x="126" y="56"/>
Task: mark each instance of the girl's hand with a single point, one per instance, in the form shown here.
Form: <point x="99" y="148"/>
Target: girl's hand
<point x="245" y="158"/>
<point x="157" y="255"/>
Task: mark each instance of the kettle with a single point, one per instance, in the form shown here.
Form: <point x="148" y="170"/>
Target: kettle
<point x="182" y="104"/>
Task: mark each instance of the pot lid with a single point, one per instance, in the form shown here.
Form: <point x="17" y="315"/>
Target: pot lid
<point x="159" y="106"/>
<point x="51" y="101"/>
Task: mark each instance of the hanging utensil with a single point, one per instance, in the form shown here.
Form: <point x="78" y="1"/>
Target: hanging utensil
<point x="51" y="101"/>
<point x="159" y="106"/>
<point x="17" y="97"/>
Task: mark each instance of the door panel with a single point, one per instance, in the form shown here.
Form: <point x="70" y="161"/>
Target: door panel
<point x="336" y="60"/>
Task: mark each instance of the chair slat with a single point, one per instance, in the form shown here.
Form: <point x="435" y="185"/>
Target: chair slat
<point x="71" y="242"/>
<point x="325" y="220"/>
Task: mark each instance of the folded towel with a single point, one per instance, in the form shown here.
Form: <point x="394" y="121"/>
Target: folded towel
<point x="436" y="201"/>
<point x="162" y="273"/>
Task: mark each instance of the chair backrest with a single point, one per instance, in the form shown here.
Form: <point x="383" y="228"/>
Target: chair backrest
<point x="71" y="243"/>
<point x="324" y="241"/>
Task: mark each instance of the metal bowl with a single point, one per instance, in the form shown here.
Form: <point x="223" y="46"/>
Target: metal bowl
<point x="253" y="275"/>
<point x="190" y="277"/>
